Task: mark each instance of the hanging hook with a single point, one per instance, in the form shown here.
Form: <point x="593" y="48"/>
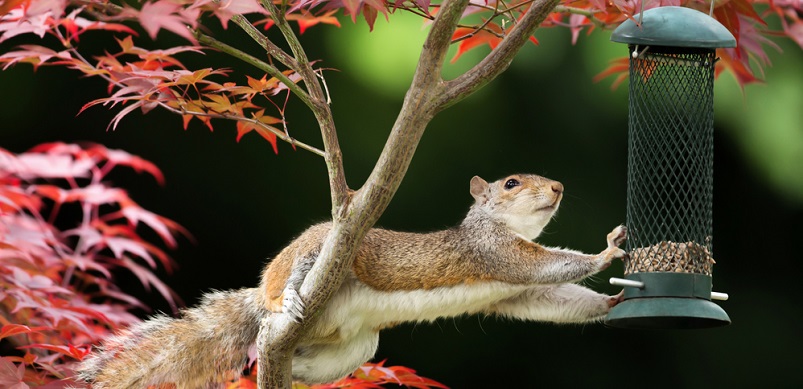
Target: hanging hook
<point x="641" y="14"/>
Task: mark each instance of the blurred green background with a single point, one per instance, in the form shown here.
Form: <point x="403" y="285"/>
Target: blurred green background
<point x="242" y="203"/>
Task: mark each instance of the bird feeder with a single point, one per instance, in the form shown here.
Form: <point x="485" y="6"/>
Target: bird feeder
<point x="668" y="269"/>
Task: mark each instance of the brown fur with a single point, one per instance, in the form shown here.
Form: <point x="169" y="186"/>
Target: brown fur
<point x="396" y="277"/>
<point x="197" y="345"/>
<point x="391" y="260"/>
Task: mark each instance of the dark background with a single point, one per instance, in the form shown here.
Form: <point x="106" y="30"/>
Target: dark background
<point x="242" y="203"/>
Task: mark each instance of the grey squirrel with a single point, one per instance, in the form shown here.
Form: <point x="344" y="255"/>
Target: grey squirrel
<point x="488" y="264"/>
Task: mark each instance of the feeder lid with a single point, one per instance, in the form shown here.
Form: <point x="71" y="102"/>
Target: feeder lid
<point x="674" y="26"/>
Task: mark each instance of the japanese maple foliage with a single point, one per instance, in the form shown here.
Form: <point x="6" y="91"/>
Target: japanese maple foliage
<point x="368" y="376"/>
<point x="375" y="375"/>
<point x="143" y="79"/>
<point x="64" y="232"/>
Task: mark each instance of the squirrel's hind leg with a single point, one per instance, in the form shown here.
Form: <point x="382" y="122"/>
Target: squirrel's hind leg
<point x="564" y="303"/>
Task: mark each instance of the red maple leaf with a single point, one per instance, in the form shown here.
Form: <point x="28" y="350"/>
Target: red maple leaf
<point x="68" y="350"/>
<point x="244" y="127"/>
<point x="33" y="54"/>
<point x="17" y="329"/>
<point x="307" y="19"/>
<point x="618" y="67"/>
<point x="11" y="375"/>
<point x="224" y="10"/>
<point x="168" y="15"/>
<point x="471" y="38"/>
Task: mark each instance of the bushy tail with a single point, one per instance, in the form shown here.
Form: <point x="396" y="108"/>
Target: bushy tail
<point x="207" y="344"/>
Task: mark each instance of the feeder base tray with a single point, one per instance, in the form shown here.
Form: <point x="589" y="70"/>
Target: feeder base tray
<point x="666" y="313"/>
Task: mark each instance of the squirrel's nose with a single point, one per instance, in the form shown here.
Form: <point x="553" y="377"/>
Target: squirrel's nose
<point x="557" y="187"/>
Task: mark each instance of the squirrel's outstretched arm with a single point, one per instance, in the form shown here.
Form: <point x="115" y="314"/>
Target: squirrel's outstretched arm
<point x="536" y="264"/>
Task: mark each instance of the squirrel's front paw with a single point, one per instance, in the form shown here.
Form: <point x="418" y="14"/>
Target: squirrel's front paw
<point x="292" y="304"/>
<point x="617" y="236"/>
<point x="610" y="254"/>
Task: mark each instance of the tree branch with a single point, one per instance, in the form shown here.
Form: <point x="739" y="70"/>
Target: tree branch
<point x="279" y="134"/>
<point x="261" y="65"/>
<point x="590" y="14"/>
<point x="340" y="192"/>
<point x="262" y="40"/>
<point x="499" y="59"/>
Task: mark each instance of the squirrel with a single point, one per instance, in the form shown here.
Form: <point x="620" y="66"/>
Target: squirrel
<point x="487" y="265"/>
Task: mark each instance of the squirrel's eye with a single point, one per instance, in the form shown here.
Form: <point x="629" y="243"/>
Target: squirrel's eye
<point x="512" y="183"/>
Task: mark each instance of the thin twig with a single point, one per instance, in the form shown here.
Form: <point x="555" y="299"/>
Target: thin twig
<point x="261" y="39"/>
<point x="494" y="9"/>
<point x="497" y="12"/>
<point x="481" y="27"/>
<point x="585" y="12"/>
<point x="279" y="133"/>
<point x="250" y="59"/>
<point x="284" y="118"/>
<point x="340" y="191"/>
<point x="80" y="57"/>
<point x="499" y="59"/>
<point x="108" y="8"/>
<point x="325" y="87"/>
<point x="477" y="27"/>
<point x="476" y="31"/>
<point x="415" y="11"/>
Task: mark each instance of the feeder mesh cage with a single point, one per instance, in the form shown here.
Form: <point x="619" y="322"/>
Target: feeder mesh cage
<point x="670" y="160"/>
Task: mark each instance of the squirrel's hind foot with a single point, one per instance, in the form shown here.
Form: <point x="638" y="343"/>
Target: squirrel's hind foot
<point x="292" y="304"/>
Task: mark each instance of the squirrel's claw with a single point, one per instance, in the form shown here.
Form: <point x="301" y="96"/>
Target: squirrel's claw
<point x="292" y="304"/>
<point x="612" y="253"/>
<point x="617" y="236"/>
<point x="616" y="299"/>
<point x="614" y="238"/>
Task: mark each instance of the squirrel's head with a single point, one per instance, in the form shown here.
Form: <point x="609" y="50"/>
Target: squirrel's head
<point x="523" y="202"/>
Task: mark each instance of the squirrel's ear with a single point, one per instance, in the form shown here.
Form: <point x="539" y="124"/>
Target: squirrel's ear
<point x="480" y="189"/>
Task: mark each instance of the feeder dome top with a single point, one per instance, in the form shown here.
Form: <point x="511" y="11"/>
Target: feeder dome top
<point x="674" y="26"/>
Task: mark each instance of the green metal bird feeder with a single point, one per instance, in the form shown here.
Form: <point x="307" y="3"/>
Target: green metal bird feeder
<point x="667" y="281"/>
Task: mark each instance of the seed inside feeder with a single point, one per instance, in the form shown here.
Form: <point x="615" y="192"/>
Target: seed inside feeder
<point x="667" y="256"/>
